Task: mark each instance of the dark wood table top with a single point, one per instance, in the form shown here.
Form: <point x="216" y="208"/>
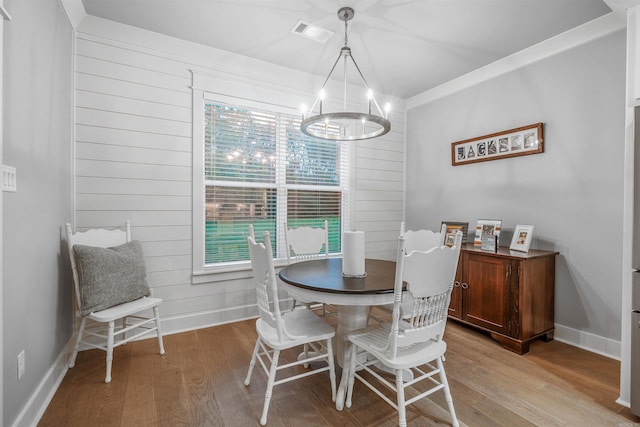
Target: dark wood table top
<point x="325" y="275"/>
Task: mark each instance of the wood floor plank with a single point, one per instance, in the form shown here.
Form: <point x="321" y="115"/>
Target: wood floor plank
<point x="140" y="387"/>
<point x="225" y="367"/>
<point x="200" y="382"/>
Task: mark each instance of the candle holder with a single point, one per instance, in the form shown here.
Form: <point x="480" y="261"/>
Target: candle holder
<point x="355" y="276"/>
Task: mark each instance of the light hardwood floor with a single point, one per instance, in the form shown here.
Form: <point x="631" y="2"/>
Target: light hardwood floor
<point x="199" y="382"/>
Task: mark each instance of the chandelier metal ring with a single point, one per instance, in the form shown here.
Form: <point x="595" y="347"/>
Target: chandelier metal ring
<point x="312" y="125"/>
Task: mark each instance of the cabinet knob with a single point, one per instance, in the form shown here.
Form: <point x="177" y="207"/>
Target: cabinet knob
<point x="456" y="284"/>
<point x="464" y="285"/>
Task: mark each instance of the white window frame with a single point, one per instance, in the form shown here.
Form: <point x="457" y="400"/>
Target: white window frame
<point x="203" y="273"/>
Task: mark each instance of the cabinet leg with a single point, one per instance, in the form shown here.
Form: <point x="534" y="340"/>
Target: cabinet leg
<point x="517" y="346"/>
<point x="548" y="336"/>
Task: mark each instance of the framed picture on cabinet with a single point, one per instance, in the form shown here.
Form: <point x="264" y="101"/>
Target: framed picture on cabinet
<point x="452" y="229"/>
<point x="522" y="238"/>
<point x="487" y="227"/>
<point x="489" y="243"/>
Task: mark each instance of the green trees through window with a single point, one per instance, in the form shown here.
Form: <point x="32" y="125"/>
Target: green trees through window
<point x="261" y="170"/>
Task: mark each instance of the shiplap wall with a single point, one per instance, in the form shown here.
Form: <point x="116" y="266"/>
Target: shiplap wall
<point x="133" y="160"/>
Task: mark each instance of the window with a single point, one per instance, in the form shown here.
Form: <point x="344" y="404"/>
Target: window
<point x="260" y="169"/>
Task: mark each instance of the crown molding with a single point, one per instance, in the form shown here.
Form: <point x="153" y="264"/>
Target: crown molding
<point x="74" y="9"/>
<point x="590" y="31"/>
<point x="621" y="6"/>
<point x="5" y="15"/>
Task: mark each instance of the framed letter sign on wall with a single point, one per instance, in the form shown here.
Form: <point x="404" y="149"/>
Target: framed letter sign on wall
<point x="520" y="141"/>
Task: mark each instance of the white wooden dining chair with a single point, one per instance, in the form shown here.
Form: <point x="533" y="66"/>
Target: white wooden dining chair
<point x="109" y="280"/>
<point x="280" y="331"/>
<point x="307" y="243"/>
<point x="414" y="343"/>
<point x="422" y="240"/>
<point x="414" y="240"/>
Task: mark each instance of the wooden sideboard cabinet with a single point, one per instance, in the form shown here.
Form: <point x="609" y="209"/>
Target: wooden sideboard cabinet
<point x="508" y="294"/>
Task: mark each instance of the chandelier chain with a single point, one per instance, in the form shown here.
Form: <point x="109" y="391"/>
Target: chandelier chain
<point x="346" y="21"/>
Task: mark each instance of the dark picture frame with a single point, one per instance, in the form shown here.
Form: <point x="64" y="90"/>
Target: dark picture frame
<point x="452" y="228"/>
<point x="520" y="141"/>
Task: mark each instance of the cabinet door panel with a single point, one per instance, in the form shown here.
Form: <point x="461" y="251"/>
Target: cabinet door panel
<point x="486" y="292"/>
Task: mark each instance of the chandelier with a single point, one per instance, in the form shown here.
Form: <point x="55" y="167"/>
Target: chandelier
<point x="346" y="125"/>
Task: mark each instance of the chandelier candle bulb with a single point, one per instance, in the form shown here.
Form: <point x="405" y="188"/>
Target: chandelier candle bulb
<point x="353" y="254"/>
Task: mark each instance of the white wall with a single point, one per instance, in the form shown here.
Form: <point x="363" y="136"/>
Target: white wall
<point x="2" y="19"/>
<point x="134" y="151"/>
<point x="37" y="140"/>
<point x="572" y="193"/>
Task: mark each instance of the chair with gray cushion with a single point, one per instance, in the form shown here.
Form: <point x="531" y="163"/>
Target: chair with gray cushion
<point x="110" y="284"/>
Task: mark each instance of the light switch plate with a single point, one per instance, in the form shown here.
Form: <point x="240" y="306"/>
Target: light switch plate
<point x="9" y="179"/>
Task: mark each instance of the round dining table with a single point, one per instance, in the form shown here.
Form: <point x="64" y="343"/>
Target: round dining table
<point x="321" y="280"/>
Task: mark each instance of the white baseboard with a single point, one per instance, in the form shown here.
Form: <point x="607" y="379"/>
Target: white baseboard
<point x="206" y="319"/>
<point x="586" y="341"/>
<point x="623" y="402"/>
<point x="41" y="397"/>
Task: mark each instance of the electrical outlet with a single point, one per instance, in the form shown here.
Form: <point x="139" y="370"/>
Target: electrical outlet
<point x="21" y="365"/>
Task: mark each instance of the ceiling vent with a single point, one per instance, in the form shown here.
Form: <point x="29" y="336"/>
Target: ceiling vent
<point x="312" y="32"/>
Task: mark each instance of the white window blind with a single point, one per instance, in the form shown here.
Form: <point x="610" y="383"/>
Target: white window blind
<point x="260" y="169"/>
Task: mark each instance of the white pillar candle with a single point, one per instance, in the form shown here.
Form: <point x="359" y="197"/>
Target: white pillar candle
<point x="353" y="254"/>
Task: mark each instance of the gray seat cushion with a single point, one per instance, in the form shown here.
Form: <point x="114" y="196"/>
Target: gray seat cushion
<point x="110" y="276"/>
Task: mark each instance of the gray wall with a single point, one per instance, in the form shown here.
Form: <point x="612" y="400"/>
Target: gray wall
<point x="572" y="193"/>
<point x="37" y="141"/>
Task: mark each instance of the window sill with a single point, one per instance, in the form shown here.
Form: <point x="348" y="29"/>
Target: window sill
<point x="227" y="273"/>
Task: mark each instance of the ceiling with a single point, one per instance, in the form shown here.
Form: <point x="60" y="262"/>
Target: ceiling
<point x="403" y="47"/>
